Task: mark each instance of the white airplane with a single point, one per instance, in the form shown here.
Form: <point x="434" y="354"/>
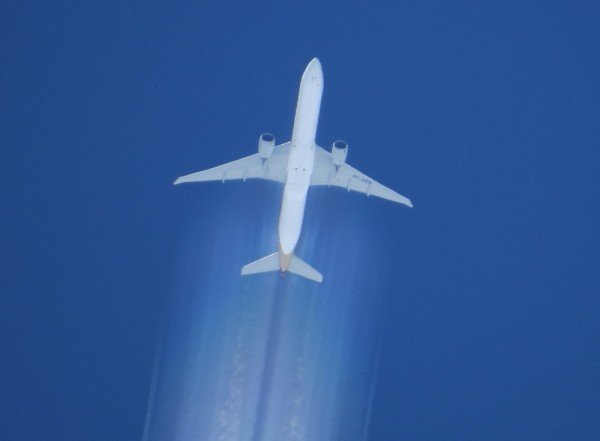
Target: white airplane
<point x="298" y="164"/>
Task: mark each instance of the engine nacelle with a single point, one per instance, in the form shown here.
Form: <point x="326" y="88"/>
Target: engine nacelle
<point x="266" y="142"/>
<point x="339" y="152"/>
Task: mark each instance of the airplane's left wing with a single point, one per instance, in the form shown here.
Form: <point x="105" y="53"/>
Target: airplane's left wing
<point x="251" y="167"/>
<point x="325" y="172"/>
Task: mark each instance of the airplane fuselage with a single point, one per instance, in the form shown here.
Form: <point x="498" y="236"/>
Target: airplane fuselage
<point x="300" y="162"/>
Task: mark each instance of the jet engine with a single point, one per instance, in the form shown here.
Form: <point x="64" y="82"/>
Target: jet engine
<point x="266" y="142"/>
<point x="339" y="152"/>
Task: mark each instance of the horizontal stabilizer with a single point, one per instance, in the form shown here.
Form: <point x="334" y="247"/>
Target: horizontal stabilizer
<point x="271" y="263"/>
<point x="300" y="267"/>
<point x="264" y="265"/>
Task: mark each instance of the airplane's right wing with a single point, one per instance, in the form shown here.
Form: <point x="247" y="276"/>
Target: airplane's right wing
<point x="325" y="172"/>
<point x="251" y="167"/>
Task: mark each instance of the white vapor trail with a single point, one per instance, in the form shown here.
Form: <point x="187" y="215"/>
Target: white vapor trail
<point x="268" y="358"/>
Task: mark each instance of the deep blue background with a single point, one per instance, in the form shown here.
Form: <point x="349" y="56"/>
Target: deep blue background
<point x="486" y="114"/>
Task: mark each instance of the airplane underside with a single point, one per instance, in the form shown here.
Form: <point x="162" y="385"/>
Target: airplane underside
<point x="298" y="164"/>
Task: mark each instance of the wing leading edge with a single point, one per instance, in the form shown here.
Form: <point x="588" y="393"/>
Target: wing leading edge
<point x="325" y="172"/>
<point x="251" y="167"/>
<point x="274" y="168"/>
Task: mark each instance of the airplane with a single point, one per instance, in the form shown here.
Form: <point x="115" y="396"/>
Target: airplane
<point x="298" y="164"/>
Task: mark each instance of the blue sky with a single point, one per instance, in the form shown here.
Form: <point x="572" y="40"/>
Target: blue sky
<point x="485" y="114"/>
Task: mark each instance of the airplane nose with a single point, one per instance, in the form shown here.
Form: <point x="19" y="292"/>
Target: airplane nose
<point x="314" y="71"/>
<point x="315" y="66"/>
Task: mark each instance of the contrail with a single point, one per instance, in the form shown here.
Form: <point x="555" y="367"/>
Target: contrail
<point x="269" y="365"/>
<point x="153" y="385"/>
<point x="372" y="389"/>
<point x="268" y="358"/>
<point x="230" y="415"/>
<point x="294" y="428"/>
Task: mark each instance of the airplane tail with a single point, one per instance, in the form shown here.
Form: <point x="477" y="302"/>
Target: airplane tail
<point x="300" y="267"/>
<point x="271" y="263"/>
<point x="264" y="265"/>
